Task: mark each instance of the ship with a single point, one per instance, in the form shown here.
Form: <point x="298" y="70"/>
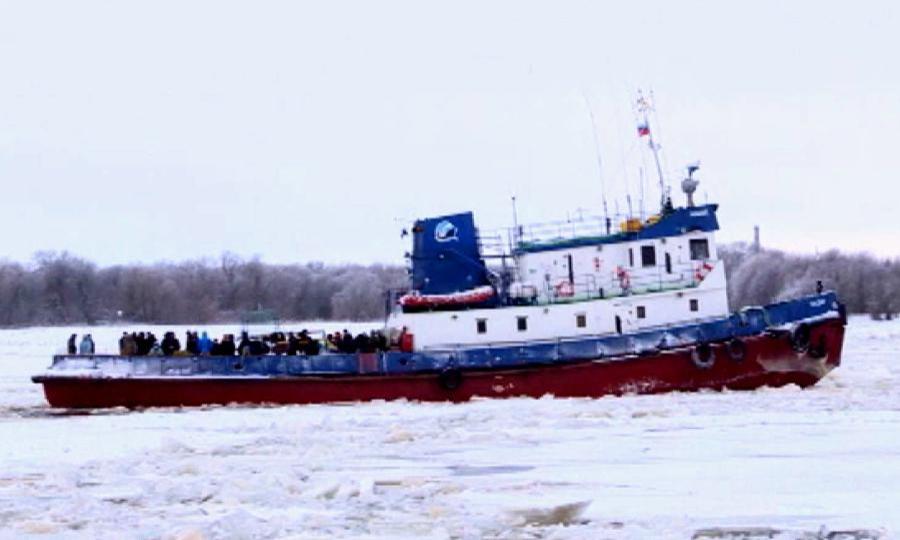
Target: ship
<point x="580" y="308"/>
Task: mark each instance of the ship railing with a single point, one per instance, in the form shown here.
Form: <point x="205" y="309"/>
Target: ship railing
<point x="645" y="280"/>
<point x="492" y="245"/>
<point x="550" y="232"/>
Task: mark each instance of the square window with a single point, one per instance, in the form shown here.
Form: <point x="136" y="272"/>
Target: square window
<point x="581" y="320"/>
<point x="699" y="249"/>
<point x="481" y="326"/>
<point x="695" y="304"/>
<point x="641" y="312"/>
<point x="648" y="256"/>
<point x="522" y="323"/>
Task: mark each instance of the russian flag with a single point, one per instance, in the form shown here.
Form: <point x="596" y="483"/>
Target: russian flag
<point x="643" y="129"/>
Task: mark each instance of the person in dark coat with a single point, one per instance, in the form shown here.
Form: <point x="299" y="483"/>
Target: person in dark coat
<point x="193" y="346"/>
<point x="226" y="346"/>
<point x="293" y="345"/>
<point x="258" y="347"/>
<point x="170" y="344"/>
<point x="140" y="341"/>
<point x="244" y="346"/>
<point x="381" y="343"/>
<point x="347" y="344"/>
<point x="362" y="343"/>
<point x="71" y="347"/>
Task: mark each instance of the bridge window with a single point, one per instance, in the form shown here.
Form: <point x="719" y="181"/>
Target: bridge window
<point x="699" y="249"/>
<point x="630" y="257"/>
<point x="648" y="256"/>
<point x="695" y="304"/>
<point x="481" y="326"/>
<point x="580" y="320"/>
<point x="641" y="312"/>
<point x="522" y="323"/>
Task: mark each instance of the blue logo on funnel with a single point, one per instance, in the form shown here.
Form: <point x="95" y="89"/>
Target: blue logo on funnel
<point x="446" y="232"/>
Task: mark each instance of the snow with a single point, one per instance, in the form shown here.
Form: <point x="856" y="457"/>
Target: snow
<point x="785" y="463"/>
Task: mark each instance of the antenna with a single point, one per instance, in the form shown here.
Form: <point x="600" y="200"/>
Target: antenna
<point x="515" y="221"/>
<point x="587" y="102"/>
<point x="689" y="184"/>
<point x="642" y="193"/>
<point x="644" y="108"/>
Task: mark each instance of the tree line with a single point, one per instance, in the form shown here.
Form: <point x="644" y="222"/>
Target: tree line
<point x="60" y="288"/>
<point x="864" y="283"/>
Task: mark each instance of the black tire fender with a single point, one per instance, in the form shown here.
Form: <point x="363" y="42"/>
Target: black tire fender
<point x="800" y="338"/>
<point x="703" y="356"/>
<point x="737" y="349"/>
<point x="819" y="350"/>
<point x="450" y="378"/>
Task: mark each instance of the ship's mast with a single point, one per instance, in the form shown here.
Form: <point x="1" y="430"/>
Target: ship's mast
<point x="644" y="108"/>
<point x="597" y="151"/>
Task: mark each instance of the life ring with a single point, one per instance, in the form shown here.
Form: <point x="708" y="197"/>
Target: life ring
<point x="624" y="278"/>
<point x="737" y="350"/>
<point x="800" y="338"/>
<point x="565" y="288"/>
<point x="450" y="378"/>
<point x="703" y="270"/>
<point x="703" y="356"/>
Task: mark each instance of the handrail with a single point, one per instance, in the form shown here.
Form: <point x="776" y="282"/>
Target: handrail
<point x="586" y="226"/>
<point x="641" y="280"/>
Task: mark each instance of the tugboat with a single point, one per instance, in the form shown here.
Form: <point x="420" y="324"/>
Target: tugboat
<point x="569" y="309"/>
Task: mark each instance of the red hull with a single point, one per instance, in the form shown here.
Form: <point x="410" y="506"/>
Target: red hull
<point x="769" y="361"/>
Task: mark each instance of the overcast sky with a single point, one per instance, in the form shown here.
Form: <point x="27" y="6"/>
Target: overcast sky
<point x="299" y="131"/>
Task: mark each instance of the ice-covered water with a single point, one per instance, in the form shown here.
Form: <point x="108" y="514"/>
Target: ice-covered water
<point x="786" y="462"/>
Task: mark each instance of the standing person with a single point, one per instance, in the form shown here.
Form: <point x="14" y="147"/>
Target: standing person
<point x="226" y="346"/>
<point x="140" y="341"/>
<point x="293" y="345"/>
<point x="243" y="348"/>
<point x="129" y="345"/>
<point x="347" y="345"/>
<point x="71" y="348"/>
<point x="192" y="343"/>
<point x="170" y="344"/>
<point x="87" y="345"/>
<point x="122" y="344"/>
<point x="204" y="344"/>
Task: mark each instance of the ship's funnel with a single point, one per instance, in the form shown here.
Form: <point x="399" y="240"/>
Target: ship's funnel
<point x="446" y="257"/>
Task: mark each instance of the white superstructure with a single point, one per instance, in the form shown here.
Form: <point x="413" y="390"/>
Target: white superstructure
<point x="660" y="272"/>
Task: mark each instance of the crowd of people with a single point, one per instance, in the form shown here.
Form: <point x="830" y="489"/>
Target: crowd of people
<point x="200" y="344"/>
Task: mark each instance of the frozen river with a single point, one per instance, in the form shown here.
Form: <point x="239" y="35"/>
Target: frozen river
<point x="805" y="463"/>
